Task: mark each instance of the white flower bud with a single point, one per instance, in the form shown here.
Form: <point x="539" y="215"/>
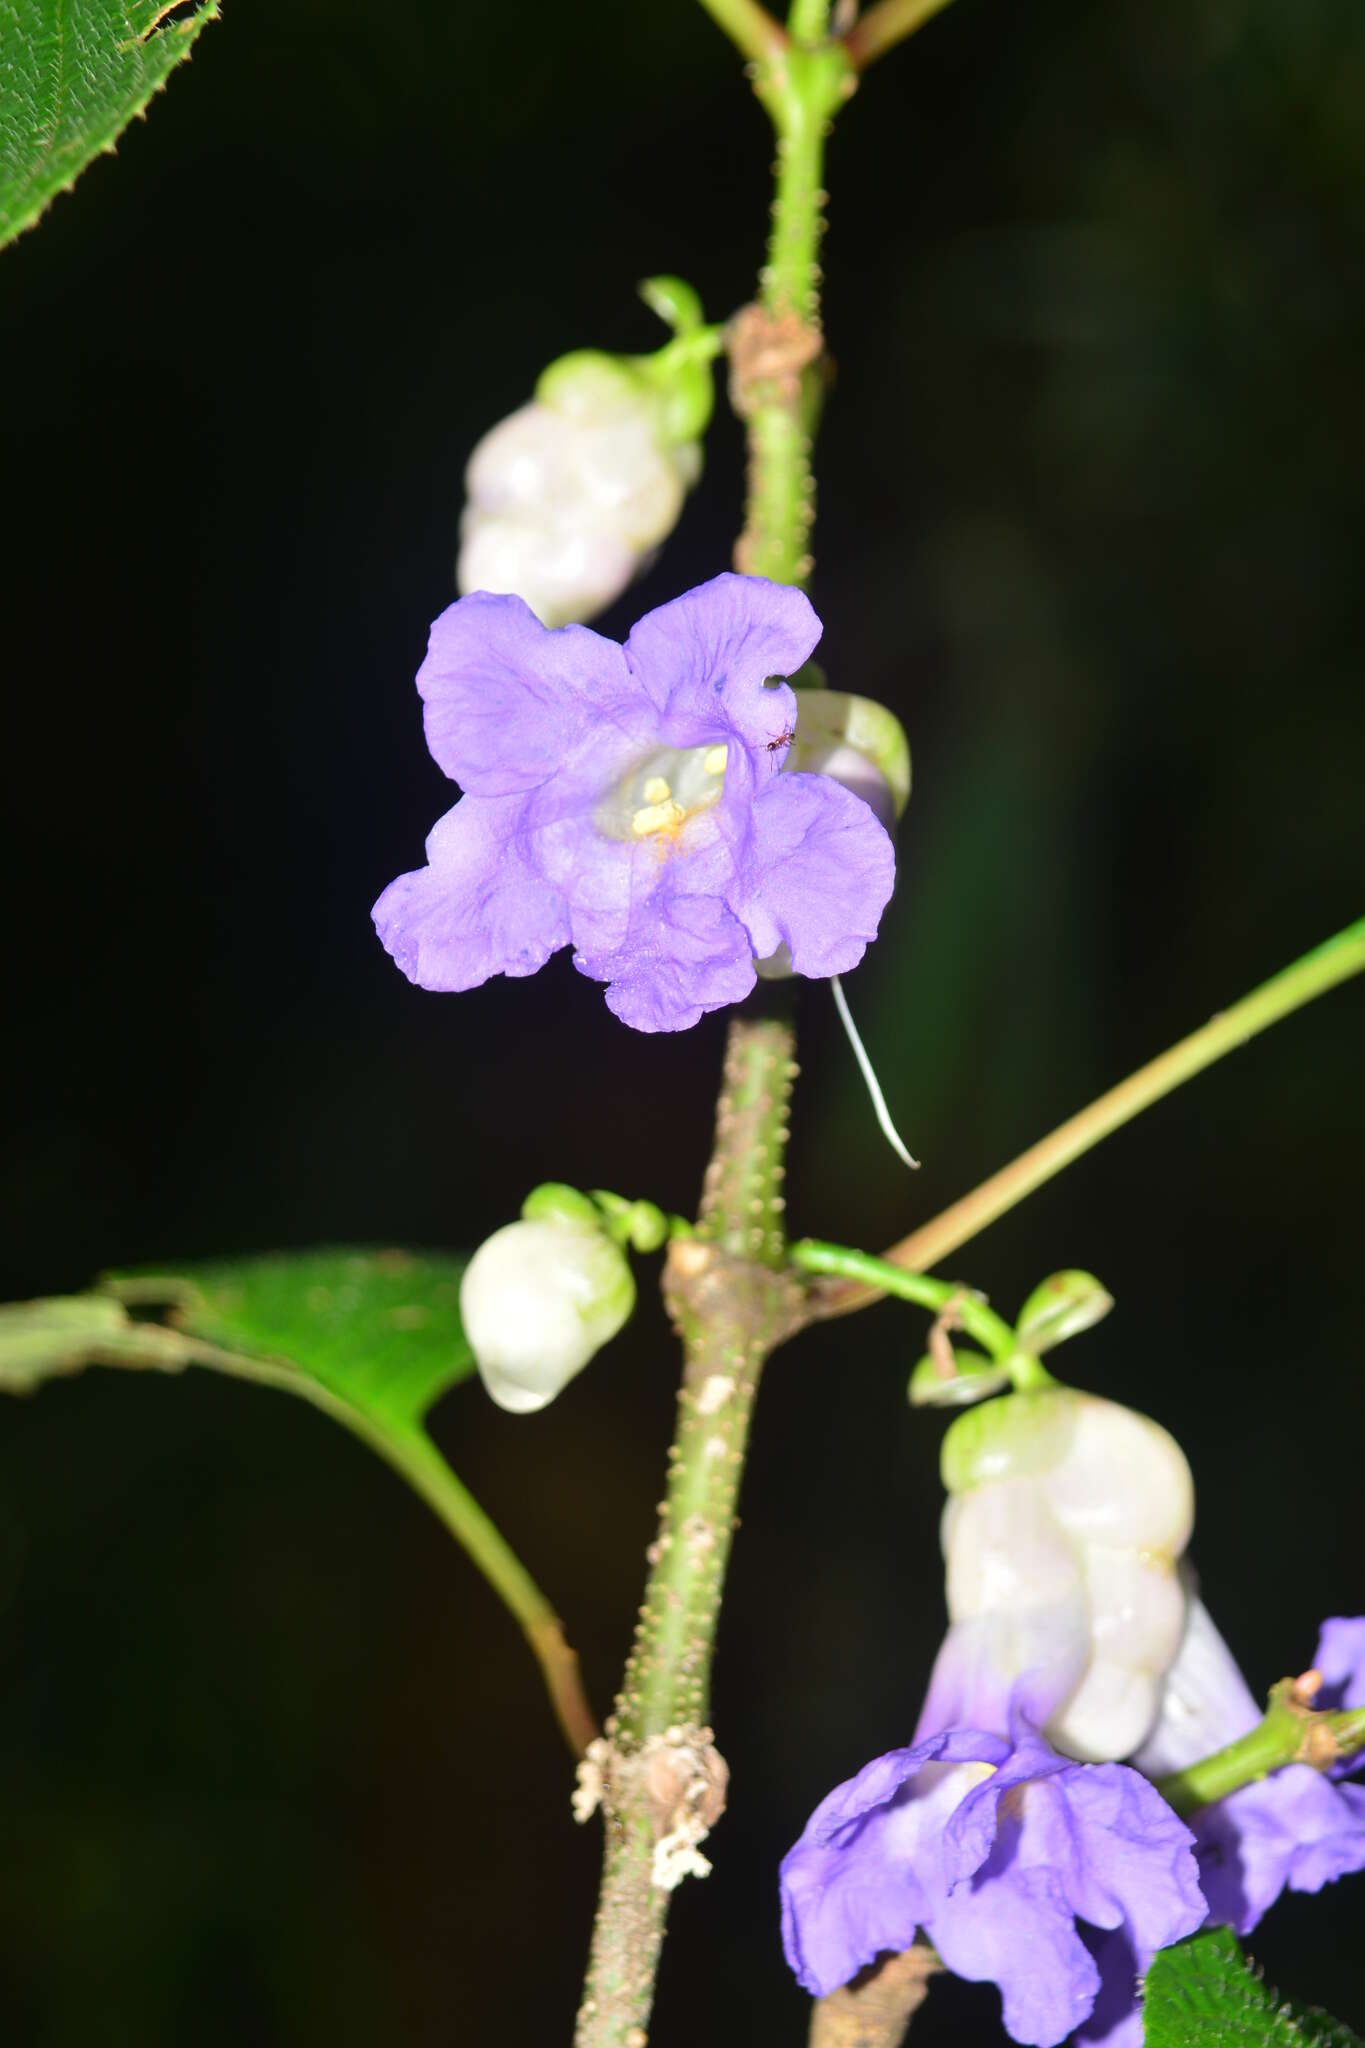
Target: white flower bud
<point x="1064" y="1504"/>
<point x="538" y="1299"/>
<point x="569" y="496"/>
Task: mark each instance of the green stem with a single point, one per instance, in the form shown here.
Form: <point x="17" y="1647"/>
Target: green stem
<point x="885" y="25"/>
<point x="750" y="27"/>
<point x="976" y="1318"/>
<point x="1334" y="961"/>
<point x="732" y="1302"/>
<point x="776" y="345"/>
<point x="422" y="1465"/>
<point x="1289" y="1734"/>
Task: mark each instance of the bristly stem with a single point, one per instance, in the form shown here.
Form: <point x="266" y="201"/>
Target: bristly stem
<point x="776" y="344"/>
<point x="1334" y="961"/>
<point x="883" y="26"/>
<point x="660" y="1778"/>
<point x="1290" y="1733"/>
<point x="750" y="27"/>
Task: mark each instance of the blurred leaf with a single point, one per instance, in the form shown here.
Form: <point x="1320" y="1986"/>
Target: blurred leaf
<point x="76" y="72"/>
<point x="379" y="1330"/>
<point x="374" y="1337"/>
<point x="40" y="1339"/>
<point x="1203" y="1993"/>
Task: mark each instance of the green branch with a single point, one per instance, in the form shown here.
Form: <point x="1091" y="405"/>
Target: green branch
<point x="885" y="25"/>
<point x="750" y="27"/>
<point x="1335" y="961"/>
<point x="1291" y="1733"/>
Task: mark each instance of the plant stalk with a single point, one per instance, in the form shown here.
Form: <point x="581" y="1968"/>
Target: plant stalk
<point x="1290" y="1733"/>
<point x="885" y="25"/>
<point x="1336" y="960"/>
<point x="659" y="1776"/>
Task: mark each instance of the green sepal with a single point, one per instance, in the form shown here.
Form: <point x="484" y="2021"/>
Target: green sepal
<point x="555" y="1202"/>
<point x="827" y="719"/>
<point x="1060" y="1307"/>
<point x="1204" y="1993"/>
<point x="1014" y="1435"/>
<point x="641" y="1225"/>
<point x="974" y="1378"/>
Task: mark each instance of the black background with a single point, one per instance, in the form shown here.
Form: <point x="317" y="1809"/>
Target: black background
<point x="275" y="1764"/>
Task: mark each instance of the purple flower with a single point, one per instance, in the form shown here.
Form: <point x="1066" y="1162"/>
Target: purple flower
<point x="996" y="1848"/>
<point x="627" y="801"/>
<point x="1295" y="1830"/>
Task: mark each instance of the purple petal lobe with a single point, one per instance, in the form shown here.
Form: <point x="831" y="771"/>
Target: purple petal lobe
<point x="477" y="908"/>
<point x="704" y="659"/>
<point x="1004" y="1853"/>
<point x="818" y="874"/>
<point x="508" y="700"/>
<point x="1340" y="1658"/>
<point x="684" y="955"/>
<point x="1294" y="1831"/>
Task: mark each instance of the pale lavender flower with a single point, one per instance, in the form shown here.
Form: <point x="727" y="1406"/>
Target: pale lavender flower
<point x="627" y="801"/>
<point x="1296" y="1830"/>
<point x="1005" y="1855"/>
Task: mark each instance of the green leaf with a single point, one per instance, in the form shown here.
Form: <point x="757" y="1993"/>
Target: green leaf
<point x="373" y="1338"/>
<point x="379" y="1330"/>
<point x="75" y="74"/>
<point x="1204" y="1993"/>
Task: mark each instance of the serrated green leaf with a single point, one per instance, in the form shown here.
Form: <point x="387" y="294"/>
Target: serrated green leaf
<point x="1204" y="1993"/>
<point x="73" y="74"/>
<point x="380" y="1330"/>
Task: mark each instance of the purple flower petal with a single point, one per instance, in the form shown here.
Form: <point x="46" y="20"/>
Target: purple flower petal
<point x="477" y="909"/>
<point x="818" y="874"/>
<point x="695" y="958"/>
<point x="993" y="1667"/>
<point x="997" y="1866"/>
<point x="627" y="801"/>
<point x="1296" y="1830"/>
<point x="508" y="700"/>
<point x="1340" y="1657"/>
<point x="869" y="1866"/>
<point x="710" y="652"/>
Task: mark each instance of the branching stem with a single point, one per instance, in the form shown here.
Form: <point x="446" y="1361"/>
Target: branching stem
<point x="1290" y="1733"/>
<point x="883" y="26"/>
<point x="1336" y="960"/>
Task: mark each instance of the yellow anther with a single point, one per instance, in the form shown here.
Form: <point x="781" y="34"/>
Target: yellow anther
<point x="713" y="761"/>
<point x="656" y="790"/>
<point x="657" y="818"/>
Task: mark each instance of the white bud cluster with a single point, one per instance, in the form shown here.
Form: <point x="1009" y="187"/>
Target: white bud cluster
<point x="538" y="1298"/>
<point x="569" y="496"/>
<point x="1065" y="1505"/>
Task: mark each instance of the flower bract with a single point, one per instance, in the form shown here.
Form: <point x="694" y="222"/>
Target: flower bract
<point x="627" y="800"/>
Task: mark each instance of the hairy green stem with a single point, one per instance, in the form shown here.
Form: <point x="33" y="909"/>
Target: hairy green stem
<point x="750" y="27"/>
<point x="776" y="344"/>
<point x="1291" y="1733"/>
<point x="1336" y="960"/>
<point x="661" y="1780"/>
<point x="885" y="25"/>
<point x="978" y="1320"/>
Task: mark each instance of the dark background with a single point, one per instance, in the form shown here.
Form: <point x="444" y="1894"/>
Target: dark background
<point x="275" y="1763"/>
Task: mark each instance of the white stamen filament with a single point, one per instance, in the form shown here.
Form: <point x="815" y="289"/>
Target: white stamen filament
<point x="874" y="1086"/>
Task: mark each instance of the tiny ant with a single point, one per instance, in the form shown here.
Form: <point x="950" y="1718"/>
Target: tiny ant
<point x="783" y="739"/>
